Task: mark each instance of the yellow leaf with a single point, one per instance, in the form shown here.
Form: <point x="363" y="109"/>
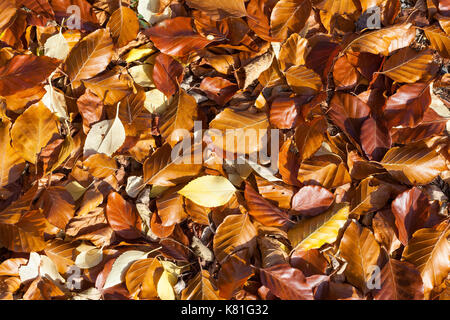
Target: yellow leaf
<point x="56" y="47"/>
<point x="75" y="189"/>
<point x="155" y="101"/>
<point x="32" y="131"/>
<point x="137" y="54"/>
<point x="124" y="25"/>
<point x="89" y="258"/>
<point x="142" y="74"/>
<point x="324" y="228"/>
<point x="165" y="287"/>
<point x="11" y="164"/>
<point x="209" y="191"/>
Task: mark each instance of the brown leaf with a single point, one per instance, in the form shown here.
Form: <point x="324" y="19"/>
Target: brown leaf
<point x="43" y="289"/>
<point x="309" y="137"/>
<point x="24" y="72"/>
<point x="11" y="164"/>
<point x="264" y="211"/>
<point x="413" y="164"/>
<point x="399" y="281"/>
<point x="26" y="235"/>
<point x="348" y="112"/>
<point x="429" y="252"/>
<point x="258" y="18"/>
<point x="253" y="69"/>
<point x="32" y="130"/>
<point x="325" y="170"/>
<point x="375" y="138"/>
<point x="233" y="274"/>
<point x="369" y="196"/>
<point x="359" y="248"/>
<point x="385" y="231"/>
<point x="111" y="86"/>
<point x="345" y="75"/>
<point x="288" y="164"/>
<point x="236" y="127"/>
<point x="162" y="170"/>
<point x="158" y="229"/>
<point x="197" y="213"/>
<point x="142" y="278"/>
<point x="10" y="267"/>
<point x="235" y="233"/>
<point x="303" y="80"/>
<point x="100" y="165"/>
<point x="61" y="253"/>
<point x="289" y="16"/>
<point x="86" y="223"/>
<point x="167" y="74"/>
<point x="439" y="40"/>
<point x="310" y="262"/>
<point x="286" y="282"/>
<point x="384" y="41"/>
<point x="431" y="125"/>
<point x="91" y="109"/>
<point x="57" y="205"/>
<point x="90" y="56"/>
<point x="171" y="207"/>
<point x="284" y="113"/>
<point x="200" y="288"/>
<point x="293" y="52"/>
<point x="277" y="192"/>
<point x="407" y="106"/>
<point x="218" y="89"/>
<point x="8" y="10"/>
<point x="411" y="211"/>
<point x="176" y="37"/>
<point x="122" y="217"/>
<point x="408" y="65"/>
<point x="312" y="200"/>
<point x="178" y="118"/>
<point x="219" y="9"/>
<point x="124" y="25"/>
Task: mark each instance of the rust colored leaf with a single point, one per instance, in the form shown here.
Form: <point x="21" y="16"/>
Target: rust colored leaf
<point x="171" y="207"/>
<point x="400" y="281"/>
<point x="122" y="216"/>
<point x="429" y="252"/>
<point x="219" y="9"/>
<point x="407" y="106"/>
<point x="90" y="56"/>
<point x="24" y="72"/>
<point x="309" y="137"/>
<point x="312" y="200"/>
<point x="176" y="37"/>
<point x="124" y="25"/>
<point x="348" y="113"/>
<point x="57" y="205"/>
<point x="411" y="210"/>
<point x="286" y="282"/>
<point x="32" y="130"/>
<point x="218" y="89"/>
<point x="359" y="248"/>
<point x="167" y="74"/>
<point x="413" y="164"/>
<point x="264" y="211"/>
<point x="289" y="16"/>
<point x="235" y="233"/>
<point x="375" y="138"/>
